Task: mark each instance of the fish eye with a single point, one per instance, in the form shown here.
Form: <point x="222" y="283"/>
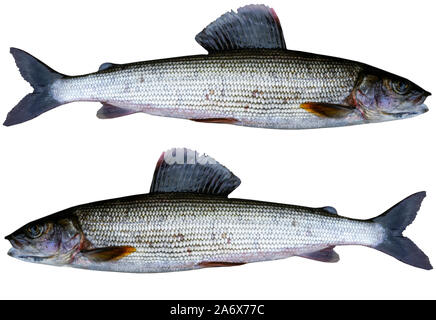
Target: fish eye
<point x="34" y="231"/>
<point x="400" y="87"/>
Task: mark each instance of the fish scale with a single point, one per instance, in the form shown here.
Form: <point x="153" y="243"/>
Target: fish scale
<point x="257" y="88"/>
<point x="180" y="231"/>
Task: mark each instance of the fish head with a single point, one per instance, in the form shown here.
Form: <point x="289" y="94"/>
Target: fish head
<point x="383" y="96"/>
<point x="48" y="241"/>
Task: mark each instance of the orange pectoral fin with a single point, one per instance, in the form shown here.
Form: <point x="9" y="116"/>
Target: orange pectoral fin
<point x="213" y="264"/>
<point x="108" y="253"/>
<point x="217" y="120"/>
<point x="326" y="110"/>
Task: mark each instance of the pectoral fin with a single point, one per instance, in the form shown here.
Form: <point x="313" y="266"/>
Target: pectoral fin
<point x="108" y="253"/>
<point x="326" y="110"/>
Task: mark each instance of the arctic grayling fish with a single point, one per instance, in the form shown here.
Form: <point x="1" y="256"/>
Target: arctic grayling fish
<point x="188" y="222"/>
<point x="248" y="79"/>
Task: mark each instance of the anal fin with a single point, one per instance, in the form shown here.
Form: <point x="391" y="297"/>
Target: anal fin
<point x="108" y="111"/>
<point x="108" y="253"/>
<point x="213" y="264"/>
<point x="327" y="110"/>
<point x="324" y="255"/>
<point x="217" y="120"/>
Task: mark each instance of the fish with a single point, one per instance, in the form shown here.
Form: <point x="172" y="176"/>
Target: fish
<point x="248" y="78"/>
<point x="187" y="221"/>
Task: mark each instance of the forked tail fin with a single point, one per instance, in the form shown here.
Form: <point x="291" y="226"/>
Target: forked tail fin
<point x="394" y="221"/>
<point x="40" y="77"/>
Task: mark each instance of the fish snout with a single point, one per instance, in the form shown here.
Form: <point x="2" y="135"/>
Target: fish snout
<point x="422" y="109"/>
<point x="13" y="252"/>
<point x="420" y="99"/>
<point x="419" y="109"/>
<point x="14" y="242"/>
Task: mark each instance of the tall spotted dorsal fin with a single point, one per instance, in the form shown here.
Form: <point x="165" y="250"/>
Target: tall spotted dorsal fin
<point x="251" y="27"/>
<point x="184" y="170"/>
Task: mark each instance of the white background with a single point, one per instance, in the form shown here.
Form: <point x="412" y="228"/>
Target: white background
<point x="67" y="156"/>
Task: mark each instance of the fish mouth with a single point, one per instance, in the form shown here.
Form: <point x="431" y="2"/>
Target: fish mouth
<point x="16" y="253"/>
<point x="419" y="101"/>
<point x="421" y="98"/>
<point x="417" y="110"/>
<point x="14" y="242"/>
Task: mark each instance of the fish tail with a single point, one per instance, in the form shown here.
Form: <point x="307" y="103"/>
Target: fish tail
<point x="40" y="77"/>
<point x="394" y="221"/>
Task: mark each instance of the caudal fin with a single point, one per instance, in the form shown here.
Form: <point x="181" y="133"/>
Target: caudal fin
<point x="40" y="77"/>
<point x="394" y="221"/>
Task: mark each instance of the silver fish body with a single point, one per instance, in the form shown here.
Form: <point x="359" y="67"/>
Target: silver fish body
<point x="173" y="232"/>
<point x="251" y="88"/>
<point x="188" y="222"/>
<point x="248" y="78"/>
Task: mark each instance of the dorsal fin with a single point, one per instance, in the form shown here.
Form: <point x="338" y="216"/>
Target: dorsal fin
<point x="184" y="170"/>
<point x="251" y="27"/>
<point x="330" y="210"/>
<point x="106" y="66"/>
